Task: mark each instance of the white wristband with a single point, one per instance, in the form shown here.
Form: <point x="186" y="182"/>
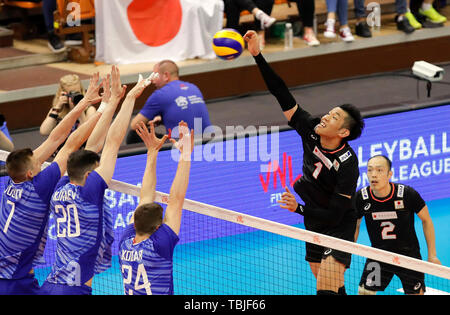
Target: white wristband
<point x="102" y="107"/>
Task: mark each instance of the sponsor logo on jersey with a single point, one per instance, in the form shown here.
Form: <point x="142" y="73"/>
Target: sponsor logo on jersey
<point x="367" y="206"/>
<point x="400" y="191"/>
<point x="336" y="165"/>
<point x="314" y="137"/>
<point x="384" y="215"/>
<point x="345" y="156"/>
<point x="182" y="102"/>
<point x="398" y="204"/>
<point x="364" y="193"/>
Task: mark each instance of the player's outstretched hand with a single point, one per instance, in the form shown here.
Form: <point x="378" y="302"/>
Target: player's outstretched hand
<point x="186" y="142"/>
<point x="288" y="201"/>
<point x="92" y="94"/>
<point x="106" y="89"/>
<point x="434" y="260"/>
<point x="151" y="141"/>
<point x="140" y="86"/>
<point x="253" y="46"/>
<point x="117" y="89"/>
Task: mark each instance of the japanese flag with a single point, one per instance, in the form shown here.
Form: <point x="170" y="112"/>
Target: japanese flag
<point x="138" y="31"/>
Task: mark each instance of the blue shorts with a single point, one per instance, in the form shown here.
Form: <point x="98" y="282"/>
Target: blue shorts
<point x="63" y="289"/>
<point x="25" y="286"/>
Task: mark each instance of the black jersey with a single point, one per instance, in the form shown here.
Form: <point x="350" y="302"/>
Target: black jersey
<point x="325" y="172"/>
<point x="390" y="220"/>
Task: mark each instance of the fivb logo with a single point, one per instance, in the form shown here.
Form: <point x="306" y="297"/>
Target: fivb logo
<point x="235" y="147"/>
<point x="374" y="17"/>
<point x="74" y="17"/>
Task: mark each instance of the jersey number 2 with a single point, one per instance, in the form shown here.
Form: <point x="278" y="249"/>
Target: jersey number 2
<point x="388" y="227"/>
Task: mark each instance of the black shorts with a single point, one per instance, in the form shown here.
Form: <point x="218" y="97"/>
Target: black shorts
<point x="377" y="276"/>
<point x="345" y="230"/>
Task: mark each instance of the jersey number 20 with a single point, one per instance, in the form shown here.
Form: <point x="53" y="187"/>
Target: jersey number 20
<point x="70" y="217"/>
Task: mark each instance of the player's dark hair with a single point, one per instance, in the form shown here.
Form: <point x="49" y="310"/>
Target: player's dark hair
<point x="389" y="163"/>
<point x="80" y="162"/>
<point x="147" y="218"/>
<point x="353" y="122"/>
<point x="17" y="164"/>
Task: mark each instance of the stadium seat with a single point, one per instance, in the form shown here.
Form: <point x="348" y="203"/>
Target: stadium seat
<point x="23" y="4"/>
<point x="25" y="29"/>
<point x="86" y="52"/>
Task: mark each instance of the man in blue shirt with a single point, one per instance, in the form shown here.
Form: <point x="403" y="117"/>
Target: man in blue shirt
<point x="147" y="244"/>
<point x="172" y="102"/>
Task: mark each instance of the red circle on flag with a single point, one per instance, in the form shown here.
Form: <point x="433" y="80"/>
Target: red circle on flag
<point x="155" y="22"/>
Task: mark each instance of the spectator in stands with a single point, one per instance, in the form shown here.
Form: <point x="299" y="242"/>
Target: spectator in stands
<point x="306" y="10"/>
<point x="261" y="10"/>
<point x="423" y="14"/>
<point x="6" y="142"/>
<point x="54" y="42"/>
<point x="361" y="28"/>
<point x="69" y="93"/>
<point x="403" y="17"/>
<point x="340" y="7"/>
<point x="173" y="101"/>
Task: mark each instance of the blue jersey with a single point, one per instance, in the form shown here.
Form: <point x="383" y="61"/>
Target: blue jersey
<point x="147" y="267"/>
<point x="176" y="101"/>
<point x="23" y="220"/>
<point x="78" y="212"/>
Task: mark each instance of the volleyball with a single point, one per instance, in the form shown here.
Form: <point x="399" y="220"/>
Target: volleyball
<point x="228" y="44"/>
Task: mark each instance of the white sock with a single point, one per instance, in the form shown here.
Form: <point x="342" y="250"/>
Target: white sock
<point x="426" y="6"/>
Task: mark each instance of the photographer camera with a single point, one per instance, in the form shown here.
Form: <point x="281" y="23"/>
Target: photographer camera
<point x="69" y="93"/>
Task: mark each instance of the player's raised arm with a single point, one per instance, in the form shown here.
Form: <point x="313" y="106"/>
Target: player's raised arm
<point x="118" y="130"/>
<point x="113" y="92"/>
<point x="62" y="130"/>
<point x="179" y="185"/>
<point x="75" y="140"/>
<point x="153" y="145"/>
<point x="274" y="83"/>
